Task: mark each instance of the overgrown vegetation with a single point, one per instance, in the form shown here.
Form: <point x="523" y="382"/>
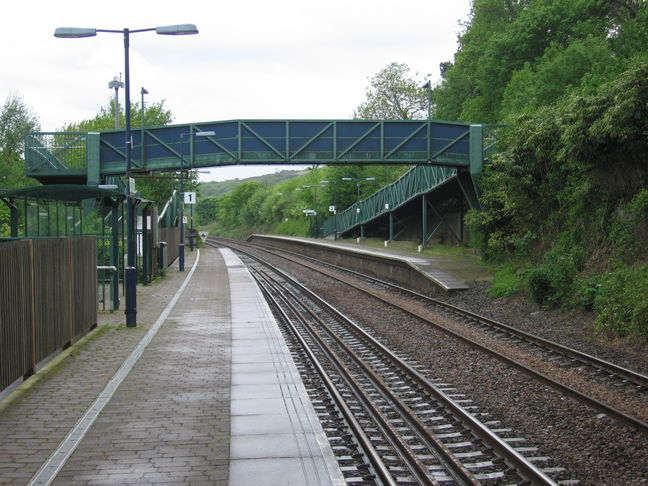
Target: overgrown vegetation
<point x="566" y="199"/>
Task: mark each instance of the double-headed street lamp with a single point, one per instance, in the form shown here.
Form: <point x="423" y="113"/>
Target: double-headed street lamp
<point x="75" y="32"/>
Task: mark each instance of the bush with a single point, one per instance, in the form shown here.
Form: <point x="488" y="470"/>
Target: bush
<point x="540" y="283"/>
<point x="507" y="282"/>
<point x="550" y="284"/>
<point x="621" y="303"/>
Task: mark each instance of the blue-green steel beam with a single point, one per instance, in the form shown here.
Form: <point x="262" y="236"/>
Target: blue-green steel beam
<point x="267" y="142"/>
<point x="441" y="151"/>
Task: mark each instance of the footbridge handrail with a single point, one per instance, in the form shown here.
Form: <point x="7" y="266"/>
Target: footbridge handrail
<point x="418" y="180"/>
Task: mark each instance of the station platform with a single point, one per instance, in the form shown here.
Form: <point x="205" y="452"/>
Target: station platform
<point x="202" y="391"/>
<point x="443" y="273"/>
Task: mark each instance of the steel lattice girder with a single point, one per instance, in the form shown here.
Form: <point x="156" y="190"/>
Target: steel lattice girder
<point x="441" y="150"/>
<point x="280" y="142"/>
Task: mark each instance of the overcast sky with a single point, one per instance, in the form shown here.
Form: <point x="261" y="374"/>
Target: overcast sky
<point x="252" y="58"/>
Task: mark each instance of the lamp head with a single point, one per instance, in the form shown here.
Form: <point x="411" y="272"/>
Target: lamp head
<point x="180" y="29"/>
<point x="74" y="32"/>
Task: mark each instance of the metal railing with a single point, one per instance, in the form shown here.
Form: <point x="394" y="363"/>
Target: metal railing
<point x="418" y="180"/>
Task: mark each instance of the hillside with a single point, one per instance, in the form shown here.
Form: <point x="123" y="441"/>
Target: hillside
<point x="216" y="188"/>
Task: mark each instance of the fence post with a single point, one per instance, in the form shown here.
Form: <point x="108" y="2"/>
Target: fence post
<point x="71" y="276"/>
<point x="32" y="299"/>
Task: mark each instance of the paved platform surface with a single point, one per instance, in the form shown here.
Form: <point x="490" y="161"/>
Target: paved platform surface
<point x="187" y="412"/>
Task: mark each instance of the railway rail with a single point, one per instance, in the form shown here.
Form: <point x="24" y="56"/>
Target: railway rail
<point x="411" y="430"/>
<point x="628" y="387"/>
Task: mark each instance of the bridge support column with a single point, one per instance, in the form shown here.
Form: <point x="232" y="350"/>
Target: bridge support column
<point x="424" y="220"/>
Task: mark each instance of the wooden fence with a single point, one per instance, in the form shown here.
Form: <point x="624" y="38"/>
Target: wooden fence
<point x="48" y="299"/>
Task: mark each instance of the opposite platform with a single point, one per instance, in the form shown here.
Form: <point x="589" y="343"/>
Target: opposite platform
<point x="401" y="268"/>
<point x="188" y="411"/>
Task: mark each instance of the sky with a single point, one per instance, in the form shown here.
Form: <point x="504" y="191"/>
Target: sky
<point x="252" y="59"/>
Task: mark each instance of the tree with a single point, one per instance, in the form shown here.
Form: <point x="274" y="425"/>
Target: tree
<point x="206" y="210"/>
<point x="394" y="95"/>
<point x="16" y="119"/>
<point x="505" y="37"/>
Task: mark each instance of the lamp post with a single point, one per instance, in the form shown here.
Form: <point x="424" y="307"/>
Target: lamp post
<point x="143" y="91"/>
<point x="181" y="244"/>
<point x="335" y="231"/>
<point x="130" y="277"/>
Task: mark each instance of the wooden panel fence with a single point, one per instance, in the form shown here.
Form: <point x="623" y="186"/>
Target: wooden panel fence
<point x="48" y="299"/>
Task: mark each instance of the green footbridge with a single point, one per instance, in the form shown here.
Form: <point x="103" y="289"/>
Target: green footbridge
<point x="442" y="153"/>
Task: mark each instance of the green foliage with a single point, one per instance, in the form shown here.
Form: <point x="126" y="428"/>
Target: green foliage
<point x="255" y="205"/>
<point x="214" y="188"/>
<point x="206" y="210"/>
<point x="394" y="95"/>
<point x="5" y="229"/>
<point x="583" y="64"/>
<point x="620" y="302"/>
<point x="549" y="284"/>
<point x="16" y="119"/>
<point x="629" y="228"/>
<point x="565" y="199"/>
<point x="514" y="56"/>
<point x="507" y="281"/>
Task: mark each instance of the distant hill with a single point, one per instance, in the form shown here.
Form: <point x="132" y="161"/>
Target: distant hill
<point x="215" y="188"/>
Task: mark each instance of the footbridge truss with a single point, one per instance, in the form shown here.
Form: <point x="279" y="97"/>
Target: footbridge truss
<point x="449" y="150"/>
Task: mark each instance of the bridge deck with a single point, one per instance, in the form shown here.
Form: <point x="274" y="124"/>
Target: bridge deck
<point x="212" y="396"/>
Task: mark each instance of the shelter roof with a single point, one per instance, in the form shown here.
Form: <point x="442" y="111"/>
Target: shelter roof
<point x="62" y="192"/>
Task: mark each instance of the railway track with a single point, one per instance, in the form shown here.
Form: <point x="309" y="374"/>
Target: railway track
<point x="551" y="364"/>
<point x="410" y="429"/>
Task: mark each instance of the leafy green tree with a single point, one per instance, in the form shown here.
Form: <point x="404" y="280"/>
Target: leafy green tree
<point x="503" y="38"/>
<point x="206" y="210"/>
<point x="394" y="95"/>
<point x="16" y="119"/>
<point x="583" y="65"/>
